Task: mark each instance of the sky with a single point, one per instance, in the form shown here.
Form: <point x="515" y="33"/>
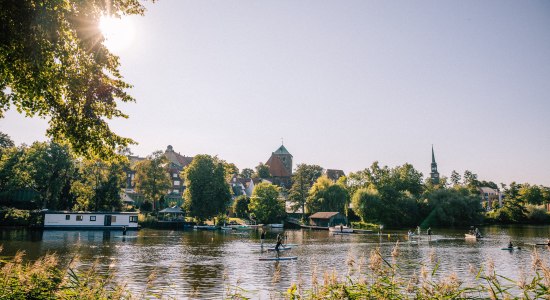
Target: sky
<point x="343" y="83"/>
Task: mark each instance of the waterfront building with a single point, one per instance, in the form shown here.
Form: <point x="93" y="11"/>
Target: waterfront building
<point x="490" y="196"/>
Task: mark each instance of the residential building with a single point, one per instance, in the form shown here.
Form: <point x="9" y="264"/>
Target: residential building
<point x="490" y="197"/>
<point x="334" y="175"/>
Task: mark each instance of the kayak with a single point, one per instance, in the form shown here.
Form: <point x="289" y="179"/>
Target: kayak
<point x="279" y="258"/>
<point x="513" y="248"/>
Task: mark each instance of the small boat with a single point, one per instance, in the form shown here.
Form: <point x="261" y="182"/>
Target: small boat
<point x="340" y="229"/>
<point x="241" y="227"/>
<point x="471" y="236"/>
<point x="279" y="258"/>
<point x="276" y="225"/>
<point x="226" y="228"/>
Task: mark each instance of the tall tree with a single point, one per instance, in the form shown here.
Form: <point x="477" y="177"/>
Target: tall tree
<point x="247" y="173"/>
<point x="302" y="180"/>
<point x="50" y="167"/>
<point x="265" y="204"/>
<point x="455" y="178"/>
<point x="152" y="178"/>
<point x="326" y="195"/>
<point x="5" y="141"/>
<point x="55" y="65"/>
<point x="240" y="206"/>
<point x="207" y="193"/>
<point x="262" y="171"/>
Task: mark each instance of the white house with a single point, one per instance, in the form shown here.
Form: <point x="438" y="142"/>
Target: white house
<point x="90" y="220"/>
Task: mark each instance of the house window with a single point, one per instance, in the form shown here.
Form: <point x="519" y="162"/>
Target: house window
<point x="92" y="218"/>
<point x="67" y="217"/>
<point x="133" y="219"/>
<point x="176" y="191"/>
<point x="177" y="182"/>
<point x="79" y="218"/>
<point x="113" y="219"/>
<point x="175" y="175"/>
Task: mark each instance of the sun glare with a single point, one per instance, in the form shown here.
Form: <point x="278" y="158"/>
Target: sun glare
<point x="118" y="32"/>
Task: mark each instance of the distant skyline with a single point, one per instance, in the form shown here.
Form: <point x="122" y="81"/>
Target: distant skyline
<point x="344" y="83"/>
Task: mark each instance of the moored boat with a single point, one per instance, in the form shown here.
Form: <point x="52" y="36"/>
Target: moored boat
<point x="340" y="229"/>
<point x="205" y="227"/>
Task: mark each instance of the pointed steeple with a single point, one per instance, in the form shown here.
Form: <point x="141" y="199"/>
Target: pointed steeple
<point x="434" y="174"/>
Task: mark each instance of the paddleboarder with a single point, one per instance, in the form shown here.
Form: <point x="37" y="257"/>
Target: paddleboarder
<point x="124" y="230"/>
<point x="510" y="245"/>
<point x="279" y="243"/>
<point x="262" y="238"/>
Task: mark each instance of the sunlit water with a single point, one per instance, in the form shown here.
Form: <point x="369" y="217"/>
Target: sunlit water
<point x="205" y="264"/>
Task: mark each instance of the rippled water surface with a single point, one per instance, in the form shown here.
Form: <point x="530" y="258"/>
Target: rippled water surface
<point x="204" y="264"/>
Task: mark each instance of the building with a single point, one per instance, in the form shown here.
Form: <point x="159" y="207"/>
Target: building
<point x="280" y="167"/>
<point x="334" y="175"/>
<point x="327" y="219"/>
<point x="176" y="164"/>
<point x="434" y="175"/>
<point x="490" y="197"/>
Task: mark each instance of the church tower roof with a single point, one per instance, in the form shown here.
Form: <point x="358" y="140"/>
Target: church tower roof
<point x="282" y="150"/>
<point x="433" y="156"/>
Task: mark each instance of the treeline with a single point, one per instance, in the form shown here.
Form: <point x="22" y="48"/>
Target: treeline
<point x="401" y="197"/>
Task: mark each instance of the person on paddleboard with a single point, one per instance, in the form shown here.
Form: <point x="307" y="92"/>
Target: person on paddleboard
<point x="279" y="243"/>
<point x="262" y="238"/>
<point x="510" y="245"/>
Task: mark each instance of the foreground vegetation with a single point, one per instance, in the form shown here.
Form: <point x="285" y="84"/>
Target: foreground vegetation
<point x="373" y="278"/>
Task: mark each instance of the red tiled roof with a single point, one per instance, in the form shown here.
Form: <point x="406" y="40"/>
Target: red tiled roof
<point x="276" y="167"/>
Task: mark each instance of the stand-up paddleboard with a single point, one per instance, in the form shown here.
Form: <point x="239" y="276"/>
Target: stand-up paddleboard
<point x="513" y="248"/>
<point x="341" y="233"/>
<point x="280" y="248"/>
<point x="280" y="258"/>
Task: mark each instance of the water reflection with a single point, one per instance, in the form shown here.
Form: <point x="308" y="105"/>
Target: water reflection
<point x="203" y="264"/>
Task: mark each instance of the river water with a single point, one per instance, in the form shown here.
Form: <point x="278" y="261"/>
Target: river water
<point x="205" y="264"/>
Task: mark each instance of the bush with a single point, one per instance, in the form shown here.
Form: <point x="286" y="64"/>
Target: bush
<point x="15" y="217"/>
<point x="537" y="214"/>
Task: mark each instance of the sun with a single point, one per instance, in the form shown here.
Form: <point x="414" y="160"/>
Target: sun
<point x="118" y="32"/>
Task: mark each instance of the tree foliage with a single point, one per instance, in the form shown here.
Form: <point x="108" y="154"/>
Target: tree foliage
<point x="247" y="173"/>
<point x="302" y="180"/>
<point x="265" y="204"/>
<point x="207" y="193"/>
<point x="262" y="171"/>
<point x="326" y="195"/>
<point x="152" y="178"/>
<point x="5" y="141"/>
<point x="53" y="64"/>
<point x="453" y="207"/>
<point x="240" y="206"/>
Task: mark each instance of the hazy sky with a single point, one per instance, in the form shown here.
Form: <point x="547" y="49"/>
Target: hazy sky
<point x="345" y="83"/>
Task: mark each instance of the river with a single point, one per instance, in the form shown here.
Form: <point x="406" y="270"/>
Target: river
<point x="204" y="264"/>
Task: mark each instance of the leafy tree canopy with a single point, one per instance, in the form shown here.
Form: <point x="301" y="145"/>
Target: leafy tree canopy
<point x="53" y="64"/>
<point x="262" y="171"/>
<point x="302" y="180"/>
<point x="207" y="193"/>
<point x="247" y="173"/>
<point x="240" y="206"/>
<point x="326" y="195"/>
<point x="152" y="178"/>
<point x="5" y="141"/>
<point x="265" y="204"/>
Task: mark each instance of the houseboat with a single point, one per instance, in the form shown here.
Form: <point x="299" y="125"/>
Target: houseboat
<point x="90" y="220"/>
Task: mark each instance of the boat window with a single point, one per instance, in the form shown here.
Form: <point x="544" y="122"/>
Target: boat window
<point x="113" y="219"/>
<point x="67" y="217"/>
<point x="133" y="219"/>
<point x="92" y="218"/>
<point x="79" y="218"/>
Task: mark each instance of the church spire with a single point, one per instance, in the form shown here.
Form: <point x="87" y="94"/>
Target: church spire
<point x="434" y="174"/>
